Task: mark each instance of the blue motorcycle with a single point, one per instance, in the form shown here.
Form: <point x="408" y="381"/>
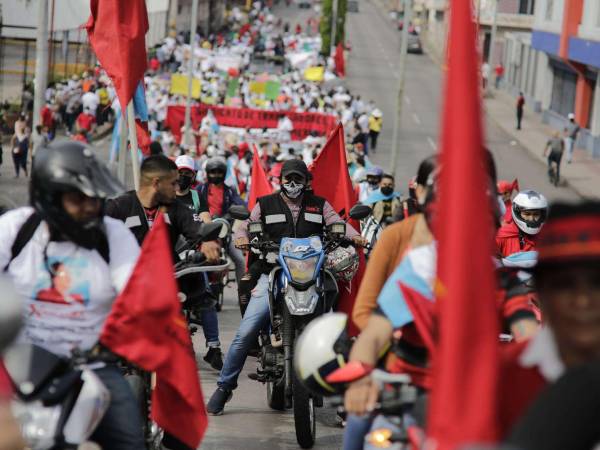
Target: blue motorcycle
<point x="302" y="285"/>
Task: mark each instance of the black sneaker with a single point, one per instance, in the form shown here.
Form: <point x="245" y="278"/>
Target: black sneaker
<point x="217" y="401"/>
<point x="215" y="358"/>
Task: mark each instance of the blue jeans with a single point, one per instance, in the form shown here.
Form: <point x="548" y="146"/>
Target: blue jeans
<point x="357" y="428"/>
<point x="256" y="318"/>
<point x="121" y="426"/>
<point x="210" y="327"/>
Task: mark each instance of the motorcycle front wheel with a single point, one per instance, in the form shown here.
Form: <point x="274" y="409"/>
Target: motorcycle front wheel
<point x="304" y="415"/>
<point x="276" y="394"/>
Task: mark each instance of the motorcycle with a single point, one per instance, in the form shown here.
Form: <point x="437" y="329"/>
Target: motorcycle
<point x="218" y="279"/>
<point x="59" y="402"/>
<point x="194" y="294"/>
<point x="300" y="289"/>
<point x="399" y="414"/>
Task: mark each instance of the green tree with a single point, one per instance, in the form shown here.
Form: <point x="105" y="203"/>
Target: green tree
<point x="325" y="25"/>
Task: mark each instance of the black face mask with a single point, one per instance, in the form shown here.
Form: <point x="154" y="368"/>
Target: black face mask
<point x="387" y="190"/>
<point x="216" y="179"/>
<point x="184" y="182"/>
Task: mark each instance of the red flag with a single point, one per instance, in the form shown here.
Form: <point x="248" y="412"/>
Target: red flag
<point x="147" y="328"/>
<point x="260" y="184"/>
<point x="423" y="312"/>
<point x="143" y="136"/>
<point x="331" y="180"/>
<point x="117" y="32"/>
<point x="463" y="404"/>
<point x="340" y="65"/>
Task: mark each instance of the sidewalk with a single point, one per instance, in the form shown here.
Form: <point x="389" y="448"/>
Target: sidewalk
<point x="583" y="174"/>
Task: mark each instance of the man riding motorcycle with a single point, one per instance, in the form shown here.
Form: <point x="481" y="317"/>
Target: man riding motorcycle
<point x="293" y="212"/>
<point x="366" y="188"/>
<point x="189" y="196"/>
<point x="65" y="245"/>
<point x="529" y="210"/>
<point x="158" y="184"/>
<point x="216" y="198"/>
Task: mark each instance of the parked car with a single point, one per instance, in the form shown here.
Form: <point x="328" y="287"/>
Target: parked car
<point x="414" y="44"/>
<point x="352" y="6"/>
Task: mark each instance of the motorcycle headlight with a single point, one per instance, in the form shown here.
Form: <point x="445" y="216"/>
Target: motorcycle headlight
<point x="302" y="270"/>
<point x="301" y="303"/>
<point x="38" y="423"/>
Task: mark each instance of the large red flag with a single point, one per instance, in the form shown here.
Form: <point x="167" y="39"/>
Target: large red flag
<point x="260" y="184"/>
<point x="331" y="180"/>
<point x="117" y="32"/>
<point x="147" y="328"/>
<point x="463" y="404"/>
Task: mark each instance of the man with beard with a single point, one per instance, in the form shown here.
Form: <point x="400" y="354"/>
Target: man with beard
<point x="158" y="190"/>
<point x="139" y="209"/>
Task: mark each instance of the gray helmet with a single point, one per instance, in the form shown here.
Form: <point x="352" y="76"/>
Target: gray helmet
<point x="67" y="166"/>
<point x="216" y="163"/>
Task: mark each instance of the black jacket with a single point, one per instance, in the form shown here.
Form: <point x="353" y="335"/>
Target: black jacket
<point x="278" y="221"/>
<point x="128" y="208"/>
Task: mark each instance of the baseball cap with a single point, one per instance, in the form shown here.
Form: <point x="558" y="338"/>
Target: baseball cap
<point x="571" y="116"/>
<point x="185" y="162"/>
<point x="294" y="166"/>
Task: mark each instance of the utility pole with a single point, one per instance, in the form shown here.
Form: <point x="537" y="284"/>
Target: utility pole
<point x="334" y="27"/>
<point x="488" y="86"/>
<point x="187" y="135"/>
<point x="41" y="61"/>
<point x="401" y="75"/>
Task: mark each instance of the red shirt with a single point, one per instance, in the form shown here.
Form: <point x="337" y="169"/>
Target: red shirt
<point x="85" y="121"/>
<point x="510" y="241"/>
<point x="215" y="199"/>
<point x="154" y="64"/>
<point x="47" y="117"/>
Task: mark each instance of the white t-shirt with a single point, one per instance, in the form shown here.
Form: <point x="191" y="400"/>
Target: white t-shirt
<point x="90" y="101"/>
<point x="68" y="310"/>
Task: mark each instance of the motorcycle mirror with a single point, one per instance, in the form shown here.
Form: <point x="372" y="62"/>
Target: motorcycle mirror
<point x="359" y="212"/>
<point x="10" y="313"/>
<point x="225" y="227"/>
<point x="211" y="231"/>
<point x="239" y="212"/>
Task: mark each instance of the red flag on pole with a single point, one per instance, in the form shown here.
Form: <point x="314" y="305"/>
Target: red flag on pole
<point x="147" y="328"/>
<point x="117" y="32"/>
<point x="260" y="184"/>
<point x="331" y="180"/>
<point x="463" y="404"/>
<point x="340" y="65"/>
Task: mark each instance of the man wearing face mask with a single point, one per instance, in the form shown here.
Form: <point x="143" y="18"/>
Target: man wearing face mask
<point x="215" y="200"/>
<point x="292" y="212"/>
<point x="186" y="189"/>
<point x="158" y="189"/>
<point x="368" y="187"/>
<point x="384" y="201"/>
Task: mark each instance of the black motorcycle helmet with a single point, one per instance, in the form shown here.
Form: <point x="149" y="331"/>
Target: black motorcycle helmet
<point x="67" y="166"/>
<point x="216" y="163"/>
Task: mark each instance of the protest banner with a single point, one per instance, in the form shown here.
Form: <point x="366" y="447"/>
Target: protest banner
<point x="304" y="122"/>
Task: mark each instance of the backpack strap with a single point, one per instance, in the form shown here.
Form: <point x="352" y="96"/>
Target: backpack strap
<point x="24" y="236"/>
<point x="195" y="200"/>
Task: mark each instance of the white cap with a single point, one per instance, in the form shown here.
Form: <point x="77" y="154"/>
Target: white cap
<point x="571" y="116"/>
<point x="185" y="162"/>
<point x="376" y="113"/>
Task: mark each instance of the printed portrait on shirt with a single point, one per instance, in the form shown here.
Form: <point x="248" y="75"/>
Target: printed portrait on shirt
<point x="63" y="282"/>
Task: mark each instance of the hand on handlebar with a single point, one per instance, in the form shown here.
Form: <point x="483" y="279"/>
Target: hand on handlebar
<point x="361" y="396"/>
<point x="360" y="241"/>
<point x="212" y="251"/>
<point x="242" y="243"/>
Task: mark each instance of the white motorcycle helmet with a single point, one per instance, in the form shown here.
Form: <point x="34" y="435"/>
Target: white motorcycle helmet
<point x="529" y="201"/>
<point x="342" y="263"/>
<point x="322" y="348"/>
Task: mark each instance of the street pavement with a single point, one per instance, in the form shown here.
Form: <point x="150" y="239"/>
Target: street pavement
<point x="373" y="73"/>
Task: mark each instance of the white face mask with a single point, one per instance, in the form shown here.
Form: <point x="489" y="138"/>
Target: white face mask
<point x="292" y="189"/>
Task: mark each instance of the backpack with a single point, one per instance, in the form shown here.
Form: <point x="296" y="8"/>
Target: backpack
<point x="27" y="231"/>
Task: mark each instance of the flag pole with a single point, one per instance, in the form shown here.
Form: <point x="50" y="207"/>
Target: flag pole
<point x="187" y="132"/>
<point x="122" y="155"/>
<point x="133" y="145"/>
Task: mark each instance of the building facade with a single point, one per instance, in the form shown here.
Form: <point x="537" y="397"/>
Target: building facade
<point x="566" y="41"/>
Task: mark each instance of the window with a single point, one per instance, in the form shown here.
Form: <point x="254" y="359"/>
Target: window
<point x="563" y="90"/>
<point x="526" y="6"/>
<point x="549" y="10"/>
